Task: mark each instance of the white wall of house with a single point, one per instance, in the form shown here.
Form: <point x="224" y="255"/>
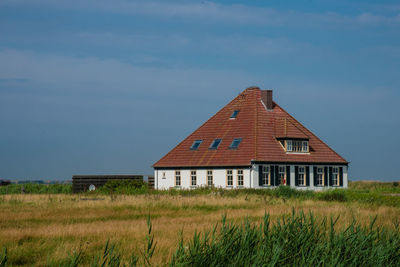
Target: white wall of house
<point x="165" y="178"/>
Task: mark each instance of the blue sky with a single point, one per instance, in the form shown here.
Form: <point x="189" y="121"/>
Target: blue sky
<point x="111" y="86"/>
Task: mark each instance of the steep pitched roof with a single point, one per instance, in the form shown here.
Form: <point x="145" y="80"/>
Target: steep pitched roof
<point x="259" y="129"/>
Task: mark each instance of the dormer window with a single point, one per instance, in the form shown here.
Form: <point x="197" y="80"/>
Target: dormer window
<point x="296" y="146"/>
<point x="215" y="144"/>
<point x="196" y="144"/>
<point x="234" y="114"/>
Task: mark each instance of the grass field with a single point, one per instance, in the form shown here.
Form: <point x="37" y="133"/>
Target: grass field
<point x="44" y="229"/>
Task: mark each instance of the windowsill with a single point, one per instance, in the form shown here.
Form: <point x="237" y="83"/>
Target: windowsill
<point x="302" y="186"/>
<point x="193" y="186"/>
<point x="229" y="186"/>
<point x="240" y="186"/>
<point x="177" y="187"/>
<point x="298" y="153"/>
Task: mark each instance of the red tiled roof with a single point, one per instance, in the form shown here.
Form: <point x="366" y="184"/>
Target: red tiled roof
<point x="284" y="128"/>
<point x="259" y="129"/>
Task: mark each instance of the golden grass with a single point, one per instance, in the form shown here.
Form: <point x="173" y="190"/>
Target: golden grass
<point x="36" y="228"/>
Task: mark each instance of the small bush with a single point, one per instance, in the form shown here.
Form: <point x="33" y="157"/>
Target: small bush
<point x="289" y="192"/>
<point x="333" y="195"/>
<point x="128" y="187"/>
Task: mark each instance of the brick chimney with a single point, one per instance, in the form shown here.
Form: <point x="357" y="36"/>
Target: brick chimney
<point x="266" y="97"/>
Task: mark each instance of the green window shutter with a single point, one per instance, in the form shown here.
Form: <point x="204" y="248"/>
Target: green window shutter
<point x="326" y="176"/>
<point x="307" y="176"/>
<point x="296" y="175"/>
<point x="288" y="175"/>
<point x="277" y="180"/>
<point x="260" y="169"/>
<point x="272" y="170"/>
<point x="330" y="176"/>
<point x="315" y="176"/>
<point x="341" y="176"/>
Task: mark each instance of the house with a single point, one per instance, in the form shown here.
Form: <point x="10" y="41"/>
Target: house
<point x="252" y="142"/>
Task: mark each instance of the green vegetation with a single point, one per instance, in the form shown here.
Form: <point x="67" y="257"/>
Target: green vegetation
<point x="64" y="229"/>
<point x="36" y="189"/>
<point x="370" y="193"/>
<point x="374" y="193"/>
<point x="126" y="187"/>
<point x="297" y="240"/>
<point x="3" y="258"/>
<point x="293" y="240"/>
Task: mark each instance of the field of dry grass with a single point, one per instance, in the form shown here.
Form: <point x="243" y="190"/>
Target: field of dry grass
<point x="39" y="228"/>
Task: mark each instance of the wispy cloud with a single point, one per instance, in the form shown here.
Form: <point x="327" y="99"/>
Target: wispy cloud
<point x="208" y="11"/>
<point x="68" y="74"/>
<point x="222" y="44"/>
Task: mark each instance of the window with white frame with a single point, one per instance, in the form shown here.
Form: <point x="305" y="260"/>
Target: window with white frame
<point x="301" y="176"/>
<point x="193" y="177"/>
<point x="320" y="176"/>
<point x="305" y="146"/>
<point x="266" y="175"/>
<point x="297" y="146"/>
<point x="289" y="146"/>
<point x="240" y="177"/>
<point x="210" y="178"/>
<point x="282" y="175"/>
<point x="177" y="178"/>
<point x="335" y="176"/>
<point x="229" y="177"/>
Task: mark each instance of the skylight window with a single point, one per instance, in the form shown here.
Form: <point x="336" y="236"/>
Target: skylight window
<point x="235" y="143"/>
<point x="234" y="114"/>
<point x="215" y="144"/>
<point x="196" y="144"/>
